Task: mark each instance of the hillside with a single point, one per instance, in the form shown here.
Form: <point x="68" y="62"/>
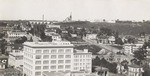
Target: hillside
<point x="122" y="28"/>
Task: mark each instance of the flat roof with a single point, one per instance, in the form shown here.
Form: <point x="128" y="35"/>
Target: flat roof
<point x="49" y="44"/>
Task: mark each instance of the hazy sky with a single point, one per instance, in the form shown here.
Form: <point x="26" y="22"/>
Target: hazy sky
<point x="81" y="9"/>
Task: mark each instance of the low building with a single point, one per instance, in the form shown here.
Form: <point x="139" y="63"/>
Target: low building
<point x="91" y="36"/>
<point x="102" y="40"/>
<point x="111" y="40"/>
<point x="130" y="48"/>
<point x="135" y="70"/>
<point x="13" y="35"/>
<point x="3" y="62"/>
<point x="55" y="36"/>
<point x="52" y="26"/>
<point x="15" y="59"/>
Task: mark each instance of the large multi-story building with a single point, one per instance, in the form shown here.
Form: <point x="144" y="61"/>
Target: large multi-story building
<point x="55" y="56"/>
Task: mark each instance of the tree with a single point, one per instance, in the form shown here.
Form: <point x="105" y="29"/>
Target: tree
<point x="3" y="44"/>
<point x="119" y="41"/>
<point x="125" y="64"/>
<point x="96" y="61"/>
<point x="140" y="54"/>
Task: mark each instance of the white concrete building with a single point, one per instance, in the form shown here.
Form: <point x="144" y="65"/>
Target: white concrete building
<point x="55" y="56"/>
<point x="91" y="36"/>
<point x="135" y="70"/>
<point x="16" y="34"/>
<point x="82" y="60"/>
<point x="15" y="59"/>
<point x="55" y="36"/>
<point x="130" y="48"/>
<point x="52" y="26"/>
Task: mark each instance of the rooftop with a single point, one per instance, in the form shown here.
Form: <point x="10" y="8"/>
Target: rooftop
<point x="49" y="44"/>
<point x="134" y="66"/>
<point x="54" y="73"/>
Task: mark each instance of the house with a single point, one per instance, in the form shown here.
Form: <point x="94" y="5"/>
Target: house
<point x="130" y="48"/>
<point x="13" y="35"/>
<point x="111" y="40"/>
<point x="120" y="69"/>
<point x="91" y="36"/>
<point x="102" y="40"/>
<point x="52" y="26"/>
<point x="3" y="61"/>
<point x="135" y="70"/>
<point x="74" y="35"/>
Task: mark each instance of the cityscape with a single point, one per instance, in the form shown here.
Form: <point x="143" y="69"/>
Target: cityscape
<point x="74" y="47"/>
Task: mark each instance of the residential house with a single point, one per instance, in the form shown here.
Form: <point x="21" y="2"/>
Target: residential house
<point x="111" y="40"/>
<point x="52" y="26"/>
<point x="91" y="36"/>
<point x="102" y="40"/>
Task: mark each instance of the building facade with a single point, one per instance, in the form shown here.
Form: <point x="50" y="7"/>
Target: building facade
<point x="56" y="56"/>
<point x="135" y="70"/>
<point x="15" y="59"/>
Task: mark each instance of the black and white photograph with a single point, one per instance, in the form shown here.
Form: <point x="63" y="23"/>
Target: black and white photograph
<point x="74" y="37"/>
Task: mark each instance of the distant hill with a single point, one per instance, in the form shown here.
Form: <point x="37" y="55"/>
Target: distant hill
<point x="122" y="28"/>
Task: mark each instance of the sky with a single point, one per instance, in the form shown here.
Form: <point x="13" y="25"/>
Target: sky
<point x="80" y="9"/>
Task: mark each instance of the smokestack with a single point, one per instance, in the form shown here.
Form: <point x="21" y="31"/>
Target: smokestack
<point x="43" y="17"/>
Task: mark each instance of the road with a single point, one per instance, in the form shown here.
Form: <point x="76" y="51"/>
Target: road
<point x="107" y="47"/>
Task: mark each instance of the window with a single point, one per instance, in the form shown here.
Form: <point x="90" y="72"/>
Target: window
<point x="68" y="50"/>
<point x="67" y="66"/>
<point x="68" y="56"/>
<point x="76" y="60"/>
<point x="60" y="66"/>
<point x="61" y="51"/>
<point x="45" y="67"/>
<point x="53" y="61"/>
<point x="38" y="51"/>
<point x="68" y="61"/>
<point x="76" y="56"/>
<point x="60" y="61"/>
<point x="53" y="67"/>
<point x="38" y="56"/>
<point x="45" y="62"/>
<point x="38" y="62"/>
<point x="37" y="67"/>
<point x="45" y="51"/>
<point x="46" y="57"/>
<point x="53" y="51"/>
<point x="53" y="56"/>
<point x="37" y="73"/>
<point x="60" y="56"/>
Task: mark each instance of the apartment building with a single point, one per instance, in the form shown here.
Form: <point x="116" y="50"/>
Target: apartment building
<point x="55" y="56"/>
<point x="130" y="48"/>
